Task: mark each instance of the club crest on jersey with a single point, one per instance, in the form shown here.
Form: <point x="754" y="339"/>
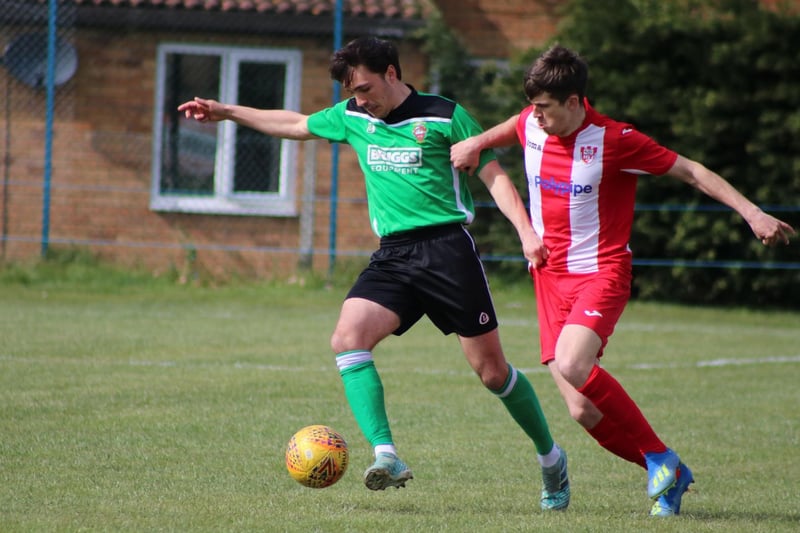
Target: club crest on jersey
<point x="419" y="131"/>
<point x="587" y="154"/>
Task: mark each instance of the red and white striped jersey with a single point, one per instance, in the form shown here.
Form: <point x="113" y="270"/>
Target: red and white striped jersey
<point x="582" y="188"/>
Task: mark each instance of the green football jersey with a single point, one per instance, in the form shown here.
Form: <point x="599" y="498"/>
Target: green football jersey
<point x="405" y="158"/>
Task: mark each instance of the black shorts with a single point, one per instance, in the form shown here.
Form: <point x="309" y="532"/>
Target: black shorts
<point x="432" y="271"/>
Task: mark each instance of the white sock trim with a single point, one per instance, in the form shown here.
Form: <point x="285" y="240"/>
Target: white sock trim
<point x="550" y="458"/>
<point x="511" y="382"/>
<point x="345" y="360"/>
<point x="385" y="448"/>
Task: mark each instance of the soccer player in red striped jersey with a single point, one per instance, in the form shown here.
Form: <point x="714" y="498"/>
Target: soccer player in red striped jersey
<point x="581" y="169"/>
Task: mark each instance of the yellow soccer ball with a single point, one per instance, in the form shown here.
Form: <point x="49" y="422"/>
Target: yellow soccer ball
<point x="316" y="456"/>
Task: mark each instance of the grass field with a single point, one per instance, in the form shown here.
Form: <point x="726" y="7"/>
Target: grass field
<point x="128" y="404"/>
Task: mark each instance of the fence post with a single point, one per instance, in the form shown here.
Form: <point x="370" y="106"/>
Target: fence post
<point x="48" y="134"/>
<point x="307" y="209"/>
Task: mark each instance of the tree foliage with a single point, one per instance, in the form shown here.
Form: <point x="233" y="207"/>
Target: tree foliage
<point x="717" y="81"/>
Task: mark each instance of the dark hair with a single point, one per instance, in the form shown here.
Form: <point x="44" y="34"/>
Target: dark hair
<point x="560" y="72"/>
<point x="375" y="54"/>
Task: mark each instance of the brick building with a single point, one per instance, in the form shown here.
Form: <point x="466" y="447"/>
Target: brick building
<point x="132" y="181"/>
<point x="121" y="183"/>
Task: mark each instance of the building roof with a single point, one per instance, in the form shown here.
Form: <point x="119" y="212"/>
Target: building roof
<point x="410" y="10"/>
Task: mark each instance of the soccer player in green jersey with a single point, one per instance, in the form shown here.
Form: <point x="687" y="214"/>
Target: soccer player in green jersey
<point x="427" y="263"/>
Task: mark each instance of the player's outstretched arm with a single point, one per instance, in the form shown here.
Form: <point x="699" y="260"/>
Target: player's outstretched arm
<point x="511" y="205"/>
<point x="465" y="155"/>
<point x="767" y="228"/>
<point x="274" y="122"/>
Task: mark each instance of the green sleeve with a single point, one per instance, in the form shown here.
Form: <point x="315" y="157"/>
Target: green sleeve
<point x="329" y="123"/>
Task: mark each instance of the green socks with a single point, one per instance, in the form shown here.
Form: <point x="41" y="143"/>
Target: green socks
<point x="520" y="399"/>
<point x="364" y="392"/>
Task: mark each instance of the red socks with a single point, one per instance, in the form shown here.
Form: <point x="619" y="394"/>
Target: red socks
<point x="612" y="438"/>
<point x="622" y="416"/>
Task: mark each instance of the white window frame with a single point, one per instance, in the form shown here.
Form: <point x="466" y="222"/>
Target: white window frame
<point x="224" y="200"/>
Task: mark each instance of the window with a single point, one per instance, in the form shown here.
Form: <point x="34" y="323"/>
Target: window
<point x="221" y="167"/>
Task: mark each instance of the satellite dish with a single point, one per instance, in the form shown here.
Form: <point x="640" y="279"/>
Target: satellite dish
<point x="26" y="59"/>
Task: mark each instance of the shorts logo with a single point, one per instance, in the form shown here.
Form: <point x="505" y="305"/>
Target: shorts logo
<point x="483" y="318"/>
<point x="587" y="154"/>
<point x="593" y="312"/>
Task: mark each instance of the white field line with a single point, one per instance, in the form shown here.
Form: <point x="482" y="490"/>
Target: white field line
<point x="702" y="329"/>
<point x="689" y="328"/>
<point x="721" y="362"/>
<point x="711" y="363"/>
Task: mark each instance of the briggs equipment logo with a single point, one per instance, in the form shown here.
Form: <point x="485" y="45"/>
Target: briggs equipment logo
<point x="389" y="159"/>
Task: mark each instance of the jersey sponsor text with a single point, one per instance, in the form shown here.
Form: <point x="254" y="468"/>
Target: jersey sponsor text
<point x="561" y="188"/>
<point x="388" y="159"/>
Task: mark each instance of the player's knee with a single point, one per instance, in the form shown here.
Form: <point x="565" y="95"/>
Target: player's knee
<point x="492" y="377"/>
<point x="340" y="343"/>
<point x="492" y="383"/>
<point x="349" y="339"/>
<point x="574" y="371"/>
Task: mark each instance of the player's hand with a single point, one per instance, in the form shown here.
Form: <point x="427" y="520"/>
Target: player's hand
<point x="465" y="155"/>
<point x="534" y="250"/>
<point x="202" y="110"/>
<point x="770" y="230"/>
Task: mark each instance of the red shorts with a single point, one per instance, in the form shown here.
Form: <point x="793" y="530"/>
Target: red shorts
<point x="592" y="300"/>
